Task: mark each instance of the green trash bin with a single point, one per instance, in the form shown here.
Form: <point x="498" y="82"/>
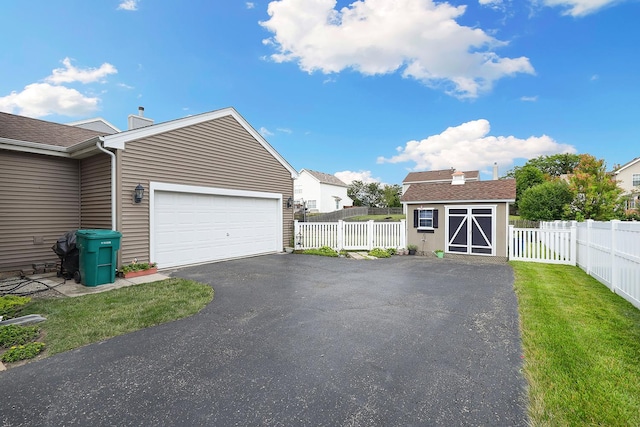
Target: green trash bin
<point x="98" y="250"/>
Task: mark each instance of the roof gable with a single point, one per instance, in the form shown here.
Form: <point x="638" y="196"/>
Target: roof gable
<point x="496" y="190"/>
<point x="438" y="176"/>
<point x="325" y="178"/>
<point x="627" y="165"/>
<point x="119" y="140"/>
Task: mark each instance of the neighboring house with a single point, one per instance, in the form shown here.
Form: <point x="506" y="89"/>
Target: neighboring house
<point x="320" y="192"/>
<point x="444" y="175"/>
<point x="457" y="215"/>
<point x="628" y="177"/>
<point x="214" y="189"/>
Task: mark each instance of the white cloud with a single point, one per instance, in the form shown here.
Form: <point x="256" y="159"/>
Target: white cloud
<point x="529" y="98"/>
<point x="130" y="5"/>
<point x="285" y="130"/>
<point x="594" y="77"/>
<point x="70" y="74"/>
<point x="349" y="176"/>
<point x="265" y="132"/>
<point x="419" y="38"/>
<point x="50" y="97"/>
<point x="125" y="86"/>
<point x="469" y="147"/>
<point x="43" y="99"/>
<point x="250" y="5"/>
<point x="579" y="8"/>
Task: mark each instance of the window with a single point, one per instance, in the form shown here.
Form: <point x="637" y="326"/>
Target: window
<point x="311" y="204"/>
<point x="425" y="218"/>
<point x="337" y="204"/>
<point x="635" y="179"/>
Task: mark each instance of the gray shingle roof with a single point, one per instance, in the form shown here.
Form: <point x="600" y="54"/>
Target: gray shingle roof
<point x="325" y="178"/>
<point x="502" y="189"/>
<point x="33" y="130"/>
<point x="439" y="175"/>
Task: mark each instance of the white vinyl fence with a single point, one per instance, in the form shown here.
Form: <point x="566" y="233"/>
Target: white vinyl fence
<point x="552" y="246"/>
<point x="608" y="251"/>
<point x="349" y="235"/>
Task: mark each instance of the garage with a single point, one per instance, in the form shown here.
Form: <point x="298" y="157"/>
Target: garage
<point x="197" y="224"/>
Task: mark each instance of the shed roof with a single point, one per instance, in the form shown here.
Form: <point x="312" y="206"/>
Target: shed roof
<point x="326" y="178"/>
<point x="439" y="175"/>
<point x="27" y="129"/>
<point x="495" y="190"/>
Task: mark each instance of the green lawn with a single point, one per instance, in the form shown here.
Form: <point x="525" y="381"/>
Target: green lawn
<point x="581" y="348"/>
<point x="74" y="322"/>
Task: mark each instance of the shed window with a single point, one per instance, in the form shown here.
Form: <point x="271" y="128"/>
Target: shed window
<point x="635" y="179"/>
<point x="425" y="218"/>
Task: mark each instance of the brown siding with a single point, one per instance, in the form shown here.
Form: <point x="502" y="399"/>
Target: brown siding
<point x="95" y="192"/>
<point x="218" y="153"/>
<point x="437" y="240"/>
<point x="39" y="202"/>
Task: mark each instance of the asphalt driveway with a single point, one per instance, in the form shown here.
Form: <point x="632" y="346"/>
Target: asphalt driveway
<point x="293" y="340"/>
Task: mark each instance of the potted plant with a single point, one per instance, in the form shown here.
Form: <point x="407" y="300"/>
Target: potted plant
<point x="136" y="269"/>
<point x="439" y="253"/>
<point x="412" y="249"/>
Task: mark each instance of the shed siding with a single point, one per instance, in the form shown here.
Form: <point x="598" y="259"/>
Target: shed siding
<point x="39" y="202"/>
<point x="95" y="192"/>
<point x="218" y="153"/>
<point x="437" y="240"/>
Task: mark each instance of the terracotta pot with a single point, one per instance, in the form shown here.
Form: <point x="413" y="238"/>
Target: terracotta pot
<point x="140" y="273"/>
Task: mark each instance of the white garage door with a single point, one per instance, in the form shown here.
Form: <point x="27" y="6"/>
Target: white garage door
<point x="193" y="228"/>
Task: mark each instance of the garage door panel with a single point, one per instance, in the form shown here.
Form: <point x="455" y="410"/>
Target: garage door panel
<point x="193" y="228"/>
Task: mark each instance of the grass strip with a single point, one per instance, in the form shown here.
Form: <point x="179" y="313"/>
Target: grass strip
<point x="78" y="321"/>
<point x="581" y="348"/>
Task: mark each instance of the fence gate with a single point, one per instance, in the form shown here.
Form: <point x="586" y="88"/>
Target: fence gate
<point x="543" y="245"/>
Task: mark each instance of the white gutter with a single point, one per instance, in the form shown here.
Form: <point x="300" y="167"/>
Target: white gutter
<point x="113" y="182"/>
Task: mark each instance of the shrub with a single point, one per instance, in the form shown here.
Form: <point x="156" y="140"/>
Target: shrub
<point x="17" y="335"/>
<point x="392" y="251"/>
<point x="379" y="253"/>
<point x="22" y="352"/>
<point x="137" y="266"/>
<point x="323" y="251"/>
<point x="11" y="304"/>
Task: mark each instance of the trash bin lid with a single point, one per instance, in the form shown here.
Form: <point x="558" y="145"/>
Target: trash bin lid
<point x="98" y="234"/>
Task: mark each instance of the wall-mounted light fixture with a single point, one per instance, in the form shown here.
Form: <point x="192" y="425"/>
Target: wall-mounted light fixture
<point x="289" y="202"/>
<point x="138" y="194"/>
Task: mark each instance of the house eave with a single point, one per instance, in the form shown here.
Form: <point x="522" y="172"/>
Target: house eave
<point x="78" y="151"/>
<point x="433" y="202"/>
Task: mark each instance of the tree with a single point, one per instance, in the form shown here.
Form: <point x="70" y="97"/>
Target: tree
<point x="526" y="177"/>
<point x="596" y="193"/>
<point x="546" y="201"/>
<point x="356" y="191"/>
<point x="391" y="196"/>
<point x="365" y="194"/>
<point x="556" y="165"/>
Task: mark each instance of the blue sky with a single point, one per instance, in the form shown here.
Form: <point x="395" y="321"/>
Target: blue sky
<point x="366" y="90"/>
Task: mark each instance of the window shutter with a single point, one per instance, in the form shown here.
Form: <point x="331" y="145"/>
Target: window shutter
<point x="435" y="218"/>
<point x="415" y="218"/>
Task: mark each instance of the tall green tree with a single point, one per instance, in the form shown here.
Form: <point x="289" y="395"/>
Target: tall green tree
<point x="556" y="164"/>
<point x="596" y="193"/>
<point x="526" y="177"/>
<point x="546" y="201"/>
<point x="391" y="196"/>
<point x="362" y="194"/>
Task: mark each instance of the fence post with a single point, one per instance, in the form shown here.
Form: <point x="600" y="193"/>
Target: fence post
<point x="370" y="234"/>
<point x="573" y="244"/>
<point x="589" y="225"/>
<point x="340" y="236"/>
<point x="614" y="277"/>
<point x="511" y="241"/>
<point x="403" y="234"/>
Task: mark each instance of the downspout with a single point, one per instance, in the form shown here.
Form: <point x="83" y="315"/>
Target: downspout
<point x="113" y="181"/>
